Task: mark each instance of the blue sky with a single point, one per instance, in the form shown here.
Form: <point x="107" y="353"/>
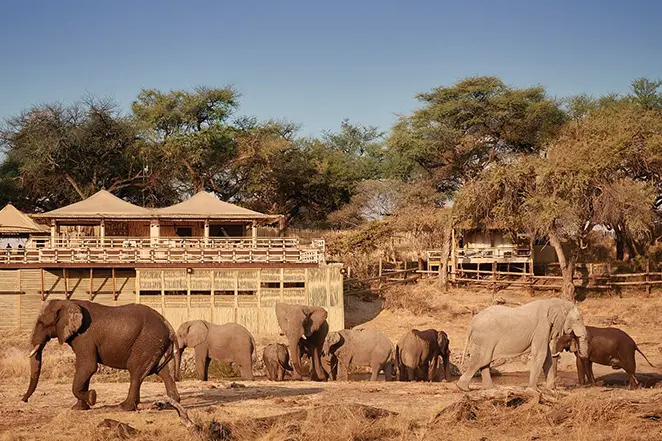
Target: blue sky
<point x="317" y="62"/>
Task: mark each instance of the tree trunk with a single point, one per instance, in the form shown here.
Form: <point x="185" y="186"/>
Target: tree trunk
<point x="567" y="268"/>
<point x="445" y="254"/>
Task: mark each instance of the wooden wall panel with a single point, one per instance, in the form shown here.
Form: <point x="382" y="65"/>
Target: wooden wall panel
<point x="10" y="281"/>
<point x="9" y="305"/>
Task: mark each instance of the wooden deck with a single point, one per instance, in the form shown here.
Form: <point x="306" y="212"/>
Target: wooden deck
<point x="111" y="251"/>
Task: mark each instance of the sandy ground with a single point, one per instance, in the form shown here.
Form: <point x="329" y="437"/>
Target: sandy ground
<point x="47" y="415"/>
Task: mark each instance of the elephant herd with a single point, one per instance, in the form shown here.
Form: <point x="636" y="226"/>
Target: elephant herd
<point x="138" y="339"/>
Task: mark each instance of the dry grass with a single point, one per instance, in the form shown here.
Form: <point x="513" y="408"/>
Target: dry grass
<point x="312" y="411"/>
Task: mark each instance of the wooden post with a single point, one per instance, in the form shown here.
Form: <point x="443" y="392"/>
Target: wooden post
<point x="162" y="292"/>
<point x="53" y="233"/>
<point x="282" y="284"/>
<point x="188" y="293"/>
<point x="379" y="281"/>
<point x="43" y="290"/>
<point x="66" y="285"/>
<point x="453" y="271"/>
<point x="648" y="285"/>
<point x="112" y="275"/>
<point x="206" y="231"/>
<point x="494" y="276"/>
<point x="137" y="287"/>
<point x="236" y="295"/>
<point x="91" y="285"/>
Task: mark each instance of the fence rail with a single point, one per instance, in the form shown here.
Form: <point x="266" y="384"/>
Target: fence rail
<point x="113" y="250"/>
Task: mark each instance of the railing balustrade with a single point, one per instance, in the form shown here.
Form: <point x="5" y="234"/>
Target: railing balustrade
<point x="164" y="250"/>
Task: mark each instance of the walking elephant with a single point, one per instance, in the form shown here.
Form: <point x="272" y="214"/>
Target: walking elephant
<point x="305" y="328"/>
<point x="276" y="361"/>
<point x="606" y="346"/>
<point x="359" y="347"/>
<point x="503" y="332"/>
<point x="230" y="343"/>
<point x="131" y="337"/>
<point x="417" y="355"/>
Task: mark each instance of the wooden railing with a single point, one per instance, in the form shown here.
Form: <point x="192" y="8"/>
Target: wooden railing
<point x="114" y="250"/>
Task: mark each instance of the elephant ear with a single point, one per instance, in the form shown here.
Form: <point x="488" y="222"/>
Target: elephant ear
<point x="69" y="320"/>
<point x="333" y="338"/>
<point x="443" y="342"/>
<point x="317" y="317"/>
<point x="557" y="315"/>
<point x="197" y="333"/>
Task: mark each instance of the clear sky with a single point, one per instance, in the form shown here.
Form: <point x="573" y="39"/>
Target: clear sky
<point x="317" y="62"/>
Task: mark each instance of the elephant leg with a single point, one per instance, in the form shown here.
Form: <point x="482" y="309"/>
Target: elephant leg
<point x="343" y="370"/>
<point x="539" y="351"/>
<point x="473" y="365"/>
<point x="271" y="370"/>
<point x="589" y="372"/>
<point x="133" y="398"/>
<point x="375" y="368"/>
<point x="410" y="373"/>
<point x="317" y="371"/>
<point x="84" y="371"/>
<point x="581" y="371"/>
<point x="281" y="374"/>
<point x="169" y="382"/>
<point x="402" y="372"/>
<point x="549" y="368"/>
<point x="388" y="372"/>
<point x="202" y="361"/>
<point x="486" y="378"/>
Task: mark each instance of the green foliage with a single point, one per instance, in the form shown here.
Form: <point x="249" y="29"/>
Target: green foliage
<point x="63" y="154"/>
<point x="462" y="128"/>
<point x="191" y="131"/>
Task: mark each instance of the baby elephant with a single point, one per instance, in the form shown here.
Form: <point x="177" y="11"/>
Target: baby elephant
<point x="417" y="355"/>
<point x="230" y="343"/>
<point x="606" y="346"/>
<point x="276" y="361"/>
<point x="360" y="347"/>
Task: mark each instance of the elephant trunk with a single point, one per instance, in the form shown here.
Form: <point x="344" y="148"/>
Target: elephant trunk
<point x="295" y="350"/>
<point x="35" y="370"/>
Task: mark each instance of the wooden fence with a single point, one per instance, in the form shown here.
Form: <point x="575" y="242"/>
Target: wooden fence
<point x="590" y="276"/>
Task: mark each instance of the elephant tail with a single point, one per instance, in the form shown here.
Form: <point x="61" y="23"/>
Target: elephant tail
<point x="466" y="347"/>
<point x="171" y="352"/>
<point x="642" y="354"/>
<point x="397" y="356"/>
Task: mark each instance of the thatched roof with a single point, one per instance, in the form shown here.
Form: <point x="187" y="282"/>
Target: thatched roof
<point x="101" y="205"/>
<point x="206" y="205"/>
<point x="14" y="221"/>
<point x="203" y="205"/>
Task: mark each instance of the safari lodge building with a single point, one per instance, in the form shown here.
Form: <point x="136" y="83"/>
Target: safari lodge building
<point x="200" y="259"/>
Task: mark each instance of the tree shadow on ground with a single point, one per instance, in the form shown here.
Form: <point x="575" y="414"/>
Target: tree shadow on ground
<point x="622" y="379"/>
<point x="221" y="395"/>
<point x="361" y="309"/>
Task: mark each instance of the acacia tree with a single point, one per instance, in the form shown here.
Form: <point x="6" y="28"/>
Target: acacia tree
<point x="191" y="130"/>
<point x="463" y="128"/>
<point x="61" y="154"/>
<point x="585" y="178"/>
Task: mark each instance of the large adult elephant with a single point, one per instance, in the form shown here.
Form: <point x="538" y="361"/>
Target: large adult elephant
<point x="131" y="337"/>
<point x="417" y="355"/>
<point x="503" y="332"/>
<point x="229" y="342"/>
<point x="306" y="329"/>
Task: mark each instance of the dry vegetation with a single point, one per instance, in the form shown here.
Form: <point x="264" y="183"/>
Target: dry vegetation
<point x="263" y="410"/>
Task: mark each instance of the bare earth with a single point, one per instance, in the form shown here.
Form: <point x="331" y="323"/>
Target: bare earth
<point x="423" y="411"/>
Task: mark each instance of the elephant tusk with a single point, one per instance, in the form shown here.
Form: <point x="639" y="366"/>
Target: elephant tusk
<point x="558" y="354"/>
<point x="34" y="351"/>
